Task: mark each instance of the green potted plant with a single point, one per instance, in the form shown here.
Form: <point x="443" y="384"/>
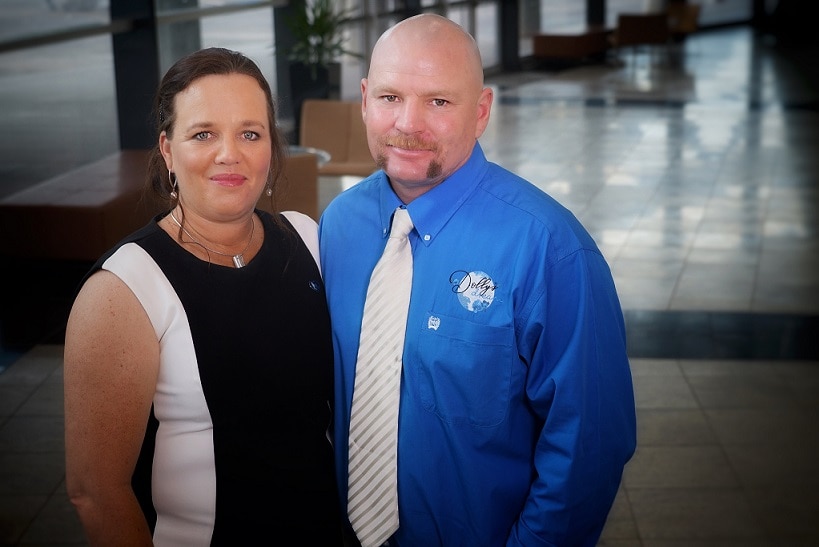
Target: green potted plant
<point x="316" y="29"/>
<point x="317" y="44"/>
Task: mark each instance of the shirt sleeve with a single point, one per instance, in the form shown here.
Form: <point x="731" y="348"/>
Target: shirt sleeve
<point x="579" y="383"/>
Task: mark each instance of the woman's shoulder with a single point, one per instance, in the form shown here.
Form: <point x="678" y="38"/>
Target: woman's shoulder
<point x="307" y="229"/>
<point x="300" y="220"/>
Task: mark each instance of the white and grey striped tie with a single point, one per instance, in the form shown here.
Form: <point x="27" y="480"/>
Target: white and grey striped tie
<point x="372" y="482"/>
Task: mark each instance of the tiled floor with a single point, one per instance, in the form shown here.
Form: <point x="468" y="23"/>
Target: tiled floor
<point x="700" y="181"/>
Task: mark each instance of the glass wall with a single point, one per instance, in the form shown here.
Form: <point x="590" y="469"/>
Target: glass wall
<point x="250" y="32"/>
<point x="29" y="18"/>
<point x="59" y="109"/>
<point x="560" y="16"/>
<point x="725" y="12"/>
<point x="713" y="12"/>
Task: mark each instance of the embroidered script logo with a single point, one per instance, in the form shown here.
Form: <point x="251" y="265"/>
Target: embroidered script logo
<point x="475" y="290"/>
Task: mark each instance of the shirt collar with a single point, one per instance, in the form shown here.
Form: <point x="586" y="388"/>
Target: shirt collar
<point x="433" y="209"/>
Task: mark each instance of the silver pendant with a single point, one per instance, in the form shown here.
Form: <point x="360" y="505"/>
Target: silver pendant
<point x="239" y="261"/>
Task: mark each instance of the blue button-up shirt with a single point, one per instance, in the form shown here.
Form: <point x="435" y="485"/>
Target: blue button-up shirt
<point x="517" y="408"/>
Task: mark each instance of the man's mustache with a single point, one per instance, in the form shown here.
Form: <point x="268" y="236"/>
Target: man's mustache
<point x="408" y="143"/>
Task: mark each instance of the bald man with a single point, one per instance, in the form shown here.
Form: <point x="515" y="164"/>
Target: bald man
<point x="516" y="412"/>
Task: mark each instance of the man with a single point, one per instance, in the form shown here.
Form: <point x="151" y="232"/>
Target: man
<point x="516" y="403"/>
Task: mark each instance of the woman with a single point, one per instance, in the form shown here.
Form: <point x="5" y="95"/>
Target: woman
<point x="198" y="359"/>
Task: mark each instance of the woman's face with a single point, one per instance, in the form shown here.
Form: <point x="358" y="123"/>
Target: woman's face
<point x="219" y="150"/>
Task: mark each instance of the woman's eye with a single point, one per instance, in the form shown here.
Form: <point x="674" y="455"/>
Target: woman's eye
<point x="251" y="135"/>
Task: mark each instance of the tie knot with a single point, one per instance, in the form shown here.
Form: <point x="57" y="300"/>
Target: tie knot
<point x="401" y="223"/>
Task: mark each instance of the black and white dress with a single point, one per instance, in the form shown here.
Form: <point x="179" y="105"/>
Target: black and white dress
<point x="237" y="450"/>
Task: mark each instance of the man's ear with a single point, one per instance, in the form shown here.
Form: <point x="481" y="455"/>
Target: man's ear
<point x="364" y="99"/>
<point x="484" y="107"/>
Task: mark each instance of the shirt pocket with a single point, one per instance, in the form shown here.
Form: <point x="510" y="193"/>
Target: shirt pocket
<point x="465" y="370"/>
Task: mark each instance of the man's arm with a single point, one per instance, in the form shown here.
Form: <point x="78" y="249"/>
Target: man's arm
<point x="579" y="382"/>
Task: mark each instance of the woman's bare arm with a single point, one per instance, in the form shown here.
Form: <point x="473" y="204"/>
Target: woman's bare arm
<point x="111" y="368"/>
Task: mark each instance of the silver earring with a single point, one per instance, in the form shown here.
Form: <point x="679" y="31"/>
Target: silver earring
<point x="269" y="191"/>
<point x="173" y="182"/>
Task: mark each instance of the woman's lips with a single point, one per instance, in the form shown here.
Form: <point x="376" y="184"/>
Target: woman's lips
<point x="228" y="180"/>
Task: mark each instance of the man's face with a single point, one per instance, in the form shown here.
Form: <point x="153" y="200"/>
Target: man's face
<point x="423" y="110"/>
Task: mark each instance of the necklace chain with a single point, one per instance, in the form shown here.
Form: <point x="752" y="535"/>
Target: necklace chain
<point x="238" y="259"/>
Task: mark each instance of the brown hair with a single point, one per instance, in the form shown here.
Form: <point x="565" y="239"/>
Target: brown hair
<point x="179" y="77"/>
